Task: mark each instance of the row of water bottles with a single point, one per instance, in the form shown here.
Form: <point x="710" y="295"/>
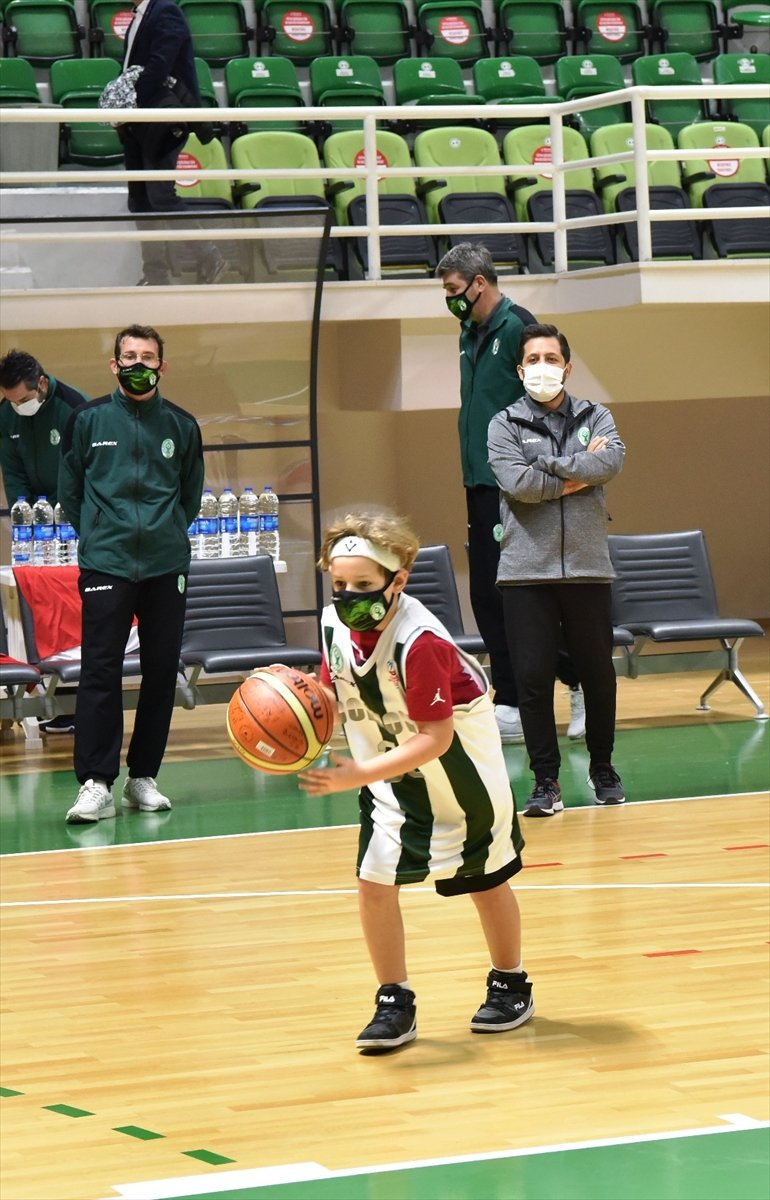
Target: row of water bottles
<point x="231" y="526"/>
<point x="41" y="535"/>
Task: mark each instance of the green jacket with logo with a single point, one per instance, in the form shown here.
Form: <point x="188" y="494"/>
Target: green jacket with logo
<point x="487" y="385"/>
<point x="130" y="481"/>
<point x="30" y="446"/>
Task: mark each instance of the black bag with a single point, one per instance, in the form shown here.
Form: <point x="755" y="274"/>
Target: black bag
<point x="180" y="96"/>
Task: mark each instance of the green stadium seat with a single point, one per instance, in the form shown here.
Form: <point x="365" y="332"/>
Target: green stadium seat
<point x="420" y="81"/>
<point x="264" y="83"/>
<point x="206" y="83"/>
<point x="533" y="28"/>
<point x="41" y="31"/>
<point x="616" y="183"/>
<point x="299" y="30"/>
<point x="379" y="28"/>
<point x="582" y="75"/>
<point x="346" y="81"/>
<point x="530" y="146"/>
<point x="398" y="202"/>
<point x="513" y="81"/>
<point x="689" y="25"/>
<point x="17" y="82"/>
<point x="78" y="83"/>
<point x="468" y="198"/>
<point x="108" y="22"/>
<point x="219" y="30"/>
<point x="748" y="27"/>
<point x="452" y="29"/>
<point x="744" y="68"/>
<point x="196" y="156"/>
<point x="671" y="70"/>
<point x="719" y="183"/>
<point x="611" y="28"/>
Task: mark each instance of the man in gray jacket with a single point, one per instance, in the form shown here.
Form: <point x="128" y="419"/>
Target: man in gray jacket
<point x="551" y="455"/>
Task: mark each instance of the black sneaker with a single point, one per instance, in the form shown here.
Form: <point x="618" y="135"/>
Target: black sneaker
<point x="64" y="723"/>
<point x="545" y="799"/>
<point x="509" y="1003"/>
<point x="394" y="1022"/>
<point x="605" y="781"/>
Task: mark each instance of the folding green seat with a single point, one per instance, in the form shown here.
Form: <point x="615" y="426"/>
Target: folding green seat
<point x="42" y="31"/>
<point x="530" y="146"/>
<point x="467" y="198"/>
<point x="616" y="183"/>
<point x="727" y="183"/>
<point x="452" y="29"/>
<point x="300" y="30"/>
<point x="744" y="68"/>
<point x="219" y="30"/>
<point x="398" y="202"/>
<point x="514" y="81"/>
<point x="616" y="28"/>
<point x="17" y="82"/>
<point x="689" y="25"/>
<point x="533" y="28"/>
<point x="263" y="83"/>
<point x="420" y="81"/>
<point x="671" y="70"/>
<point x="346" y="81"/>
<point x="583" y="75"/>
<point x="78" y="83"/>
<point x="379" y="28"/>
<point x="108" y="22"/>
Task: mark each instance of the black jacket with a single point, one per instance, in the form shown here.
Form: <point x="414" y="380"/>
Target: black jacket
<point x="163" y="46"/>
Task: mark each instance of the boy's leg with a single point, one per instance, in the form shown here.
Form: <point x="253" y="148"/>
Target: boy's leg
<point x="509" y="1000"/>
<point x="394" y="1022"/>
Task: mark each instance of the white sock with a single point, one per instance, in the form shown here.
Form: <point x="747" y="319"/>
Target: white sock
<point x="509" y="970"/>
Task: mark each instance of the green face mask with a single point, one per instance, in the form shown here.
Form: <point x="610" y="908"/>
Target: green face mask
<point x="137" y="379"/>
<point x="363" y="611"/>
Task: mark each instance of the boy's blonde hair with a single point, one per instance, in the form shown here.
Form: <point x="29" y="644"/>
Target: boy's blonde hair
<point x="391" y="532"/>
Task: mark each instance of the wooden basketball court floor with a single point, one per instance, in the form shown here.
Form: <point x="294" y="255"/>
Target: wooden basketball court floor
<point x="181" y="992"/>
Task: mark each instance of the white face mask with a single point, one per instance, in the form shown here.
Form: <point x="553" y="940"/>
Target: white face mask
<point x="28" y="408"/>
<point x="543" y="381"/>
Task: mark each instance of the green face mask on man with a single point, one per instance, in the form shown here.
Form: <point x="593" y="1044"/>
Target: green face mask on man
<point x="138" y="379"/>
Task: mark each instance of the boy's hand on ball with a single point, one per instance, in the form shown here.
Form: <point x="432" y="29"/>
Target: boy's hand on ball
<point x="342" y="775"/>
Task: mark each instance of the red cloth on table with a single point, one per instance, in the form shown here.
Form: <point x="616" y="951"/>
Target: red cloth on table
<point x="7" y="661"/>
<point x="52" y="595"/>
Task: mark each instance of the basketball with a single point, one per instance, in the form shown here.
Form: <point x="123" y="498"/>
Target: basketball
<point x="279" y="720"/>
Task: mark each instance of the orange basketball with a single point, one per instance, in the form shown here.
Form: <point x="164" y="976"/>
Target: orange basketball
<point x="279" y="720"/>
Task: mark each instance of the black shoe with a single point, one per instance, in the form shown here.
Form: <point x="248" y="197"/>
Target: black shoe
<point x="64" y="723"/>
<point x="212" y="270"/>
<point x="545" y="799"/>
<point x="605" y="781"/>
<point x="155" y="279"/>
<point x="509" y="1003"/>
<point x="394" y="1022"/>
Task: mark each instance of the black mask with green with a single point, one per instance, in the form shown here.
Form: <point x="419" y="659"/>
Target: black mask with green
<point x="460" y="306"/>
<point x="363" y="611"/>
<point x="137" y="379"/>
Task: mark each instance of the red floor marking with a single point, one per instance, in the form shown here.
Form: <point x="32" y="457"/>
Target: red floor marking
<point x="669" y="953"/>
<point x="753" y="846"/>
<point x="660" y="854"/>
<point x="529" y="866"/>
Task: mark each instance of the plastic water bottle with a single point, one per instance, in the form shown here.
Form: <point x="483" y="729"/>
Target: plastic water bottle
<point x="248" y="522"/>
<point x="192" y="533"/>
<point x="66" y="539"/>
<point x="43" y="539"/>
<point x="228" y="523"/>
<point x="269" y="538"/>
<point x="208" y="525"/>
<point x="21" y="531"/>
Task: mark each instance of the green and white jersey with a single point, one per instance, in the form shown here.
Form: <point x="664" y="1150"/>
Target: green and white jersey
<point x="455" y="817"/>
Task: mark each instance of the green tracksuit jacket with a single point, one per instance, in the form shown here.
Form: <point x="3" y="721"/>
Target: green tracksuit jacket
<point x="30" y="446"/>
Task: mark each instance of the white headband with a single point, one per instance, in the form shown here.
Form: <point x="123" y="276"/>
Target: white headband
<point x="358" y="547"/>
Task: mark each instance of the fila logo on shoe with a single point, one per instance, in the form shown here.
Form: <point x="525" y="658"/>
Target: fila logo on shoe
<point x="498" y="983"/>
<point x="387" y="999"/>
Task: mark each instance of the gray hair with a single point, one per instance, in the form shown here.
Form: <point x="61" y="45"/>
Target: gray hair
<point x="468" y="259"/>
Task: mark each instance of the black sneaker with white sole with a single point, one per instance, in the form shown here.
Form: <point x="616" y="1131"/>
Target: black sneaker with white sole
<point x="605" y="781"/>
<point x="64" y="723"/>
<point x="509" y="1002"/>
<point x="545" y="799"/>
<point x="394" y="1022"/>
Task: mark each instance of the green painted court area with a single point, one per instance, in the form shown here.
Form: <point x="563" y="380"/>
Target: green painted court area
<point x="725" y="1166"/>
<point x="690" y="760"/>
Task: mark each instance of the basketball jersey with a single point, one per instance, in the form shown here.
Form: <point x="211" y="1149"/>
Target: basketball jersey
<point x="455" y="815"/>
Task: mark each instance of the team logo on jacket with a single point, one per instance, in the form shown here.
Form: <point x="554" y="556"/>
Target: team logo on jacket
<point x="54" y="437"/>
<point x="584" y="435"/>
<point x="180" y="583"/>
<point x="497" y="533"/>
<point x="167" y="448"/>
<point x="495" y="345"/>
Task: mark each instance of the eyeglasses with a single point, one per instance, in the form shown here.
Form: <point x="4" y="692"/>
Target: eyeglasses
<point x="130" y="359"/>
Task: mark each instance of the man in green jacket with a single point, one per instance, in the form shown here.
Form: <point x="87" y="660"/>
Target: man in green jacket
<point x="130" y="481"/>
<point x="34" y="411"/>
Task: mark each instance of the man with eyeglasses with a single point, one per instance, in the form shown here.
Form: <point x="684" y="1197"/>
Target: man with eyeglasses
<point x="34" y="411"/>
<point x="131" y="479"/>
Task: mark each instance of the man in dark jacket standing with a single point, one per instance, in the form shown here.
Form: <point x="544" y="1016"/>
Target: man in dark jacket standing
<point x="130" y="481"/>
<point x="159" y="41"/>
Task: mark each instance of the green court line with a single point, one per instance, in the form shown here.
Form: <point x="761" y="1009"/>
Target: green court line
<point x="136" y="1131"/>
<point x="9" y="1092"/>
<point x="67" y="1110"/>
<point x="207" y="1156"/>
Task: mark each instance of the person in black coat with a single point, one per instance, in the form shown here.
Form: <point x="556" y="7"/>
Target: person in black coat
<point x="159" y="40"/>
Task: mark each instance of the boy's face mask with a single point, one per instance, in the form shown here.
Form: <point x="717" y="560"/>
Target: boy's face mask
<point x="138" y="379"/>
<point x="363" y="611"/>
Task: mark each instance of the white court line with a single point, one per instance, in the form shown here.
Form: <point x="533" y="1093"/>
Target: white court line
<point x="201" y="1185"/>
<point x="315" y="893"/>
<point x="217" y="837"/>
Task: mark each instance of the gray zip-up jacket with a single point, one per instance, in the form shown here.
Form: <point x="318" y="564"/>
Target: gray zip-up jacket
<point x="548" y="537"/>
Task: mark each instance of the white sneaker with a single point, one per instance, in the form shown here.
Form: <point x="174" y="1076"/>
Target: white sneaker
<point x="577" y="714"/>
<point x="509" y="724"/>
<point x="143" y="793"/>
<point x="94" y="802"/>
